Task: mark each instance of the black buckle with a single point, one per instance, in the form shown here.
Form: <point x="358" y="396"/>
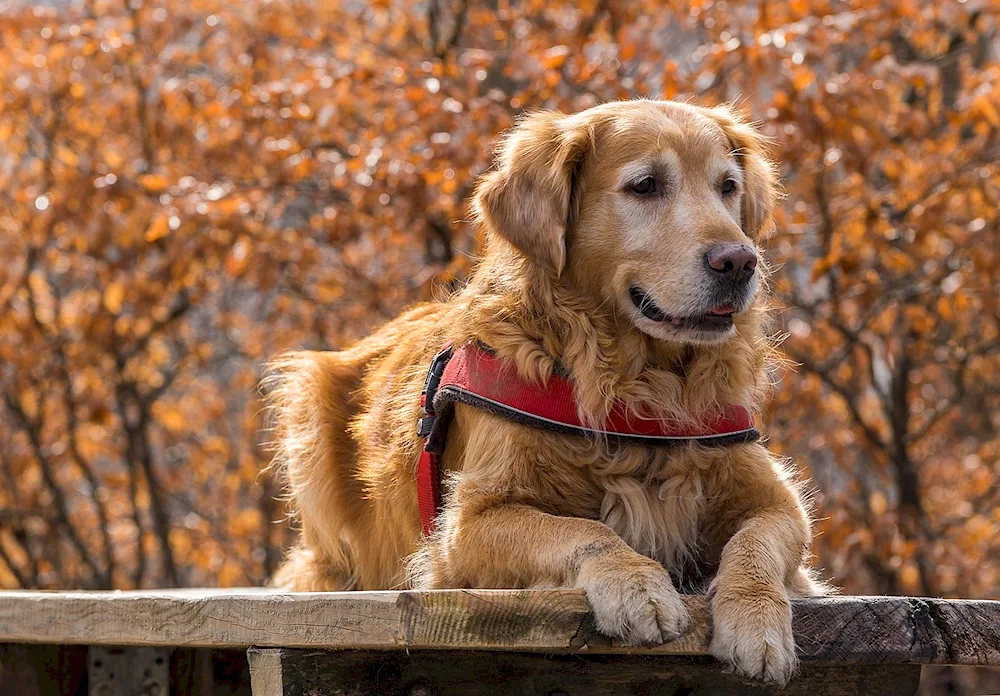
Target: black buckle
<point x="425" y="426"/>
<point x="433" y="380"/>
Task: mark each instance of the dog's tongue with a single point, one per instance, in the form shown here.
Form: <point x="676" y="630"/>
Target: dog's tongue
<point x="722" y="310"/>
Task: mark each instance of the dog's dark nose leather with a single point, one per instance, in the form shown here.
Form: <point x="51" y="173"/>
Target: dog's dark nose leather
<point x="732" y="260"/>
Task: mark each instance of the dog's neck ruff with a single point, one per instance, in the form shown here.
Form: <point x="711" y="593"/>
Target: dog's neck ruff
<point x="472" y="375"/>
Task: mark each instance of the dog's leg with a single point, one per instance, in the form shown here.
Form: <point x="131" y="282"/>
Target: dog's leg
<point x="496" y="544"/>
<point x="303" y="571"/>
<point x="805" y="583"/>
<point x="752" y="614"/>
<point x="307" y="568"/>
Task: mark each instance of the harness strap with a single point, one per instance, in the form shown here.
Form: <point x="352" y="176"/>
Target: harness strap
<point x="432" y="424"/>
<point x="428" y="491"/>
<point x="471" y="375"/>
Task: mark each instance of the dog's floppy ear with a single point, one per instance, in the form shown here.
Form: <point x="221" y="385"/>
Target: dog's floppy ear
<point x="529" y="199"/>
<point x="761" y="186"/>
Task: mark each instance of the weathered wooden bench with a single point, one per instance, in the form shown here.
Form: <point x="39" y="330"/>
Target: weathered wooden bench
<point x="462" y="642"/>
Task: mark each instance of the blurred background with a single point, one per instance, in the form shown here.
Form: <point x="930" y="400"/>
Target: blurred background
<point x="188" y="188"/>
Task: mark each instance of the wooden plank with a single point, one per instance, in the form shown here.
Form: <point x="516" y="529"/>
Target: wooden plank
<point x="838" y="630"/>
<point x="265" y="671"/>
<point x="282" y="672"/>
<point x="887" y="630"/>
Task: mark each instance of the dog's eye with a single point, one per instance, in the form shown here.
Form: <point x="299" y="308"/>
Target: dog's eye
<point x="729" y="187"/>
<point x="644" y="186"/>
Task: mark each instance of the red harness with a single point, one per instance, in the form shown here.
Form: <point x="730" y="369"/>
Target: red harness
<point x="472" y="375"/>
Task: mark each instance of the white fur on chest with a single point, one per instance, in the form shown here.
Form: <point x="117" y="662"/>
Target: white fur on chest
<point x="656" y="509"/>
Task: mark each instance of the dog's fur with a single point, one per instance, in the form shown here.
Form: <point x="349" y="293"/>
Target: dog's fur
<point x="564" y="240"/>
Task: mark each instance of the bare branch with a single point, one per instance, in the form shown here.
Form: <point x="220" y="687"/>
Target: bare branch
<point x="33" y="431"/>
<point x="442" y="45"/>
<point x="134" y="415"/>
<point x="72" y="424"/>
<point x="12" y="567"/>
<point x="958" y="381"/>
<point x="182" y="304"/>
<point x="848" y="397"/>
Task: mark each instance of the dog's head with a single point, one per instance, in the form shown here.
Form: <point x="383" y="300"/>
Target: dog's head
<point x="655" y="208"/>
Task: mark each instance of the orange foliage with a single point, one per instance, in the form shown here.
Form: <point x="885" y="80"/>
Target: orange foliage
<point x="188" y="188"/>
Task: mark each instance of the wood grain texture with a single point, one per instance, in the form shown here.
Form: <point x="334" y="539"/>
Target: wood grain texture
<point x="840" y="630"/>
<point x="286" y="672"/>
<point x="265" y="671"/>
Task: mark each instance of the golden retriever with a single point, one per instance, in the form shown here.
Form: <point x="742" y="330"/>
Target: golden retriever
<point x="621" y="243"/>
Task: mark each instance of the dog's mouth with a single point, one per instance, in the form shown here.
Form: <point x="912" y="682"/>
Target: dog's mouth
<point x="717" y="319"/>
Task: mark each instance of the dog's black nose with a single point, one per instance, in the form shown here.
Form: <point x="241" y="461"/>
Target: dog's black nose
<point x="732" y="260"/>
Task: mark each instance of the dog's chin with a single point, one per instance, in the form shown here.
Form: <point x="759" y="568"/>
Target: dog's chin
<point x="712" y="326"/>
<point x="683" y="334"/>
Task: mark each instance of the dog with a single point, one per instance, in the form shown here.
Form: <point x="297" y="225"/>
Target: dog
<point x="621" y="248"/>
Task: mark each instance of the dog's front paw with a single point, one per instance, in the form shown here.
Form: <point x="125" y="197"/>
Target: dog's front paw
<point x="634" y="599"/>
<point x="753" y="631"/>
